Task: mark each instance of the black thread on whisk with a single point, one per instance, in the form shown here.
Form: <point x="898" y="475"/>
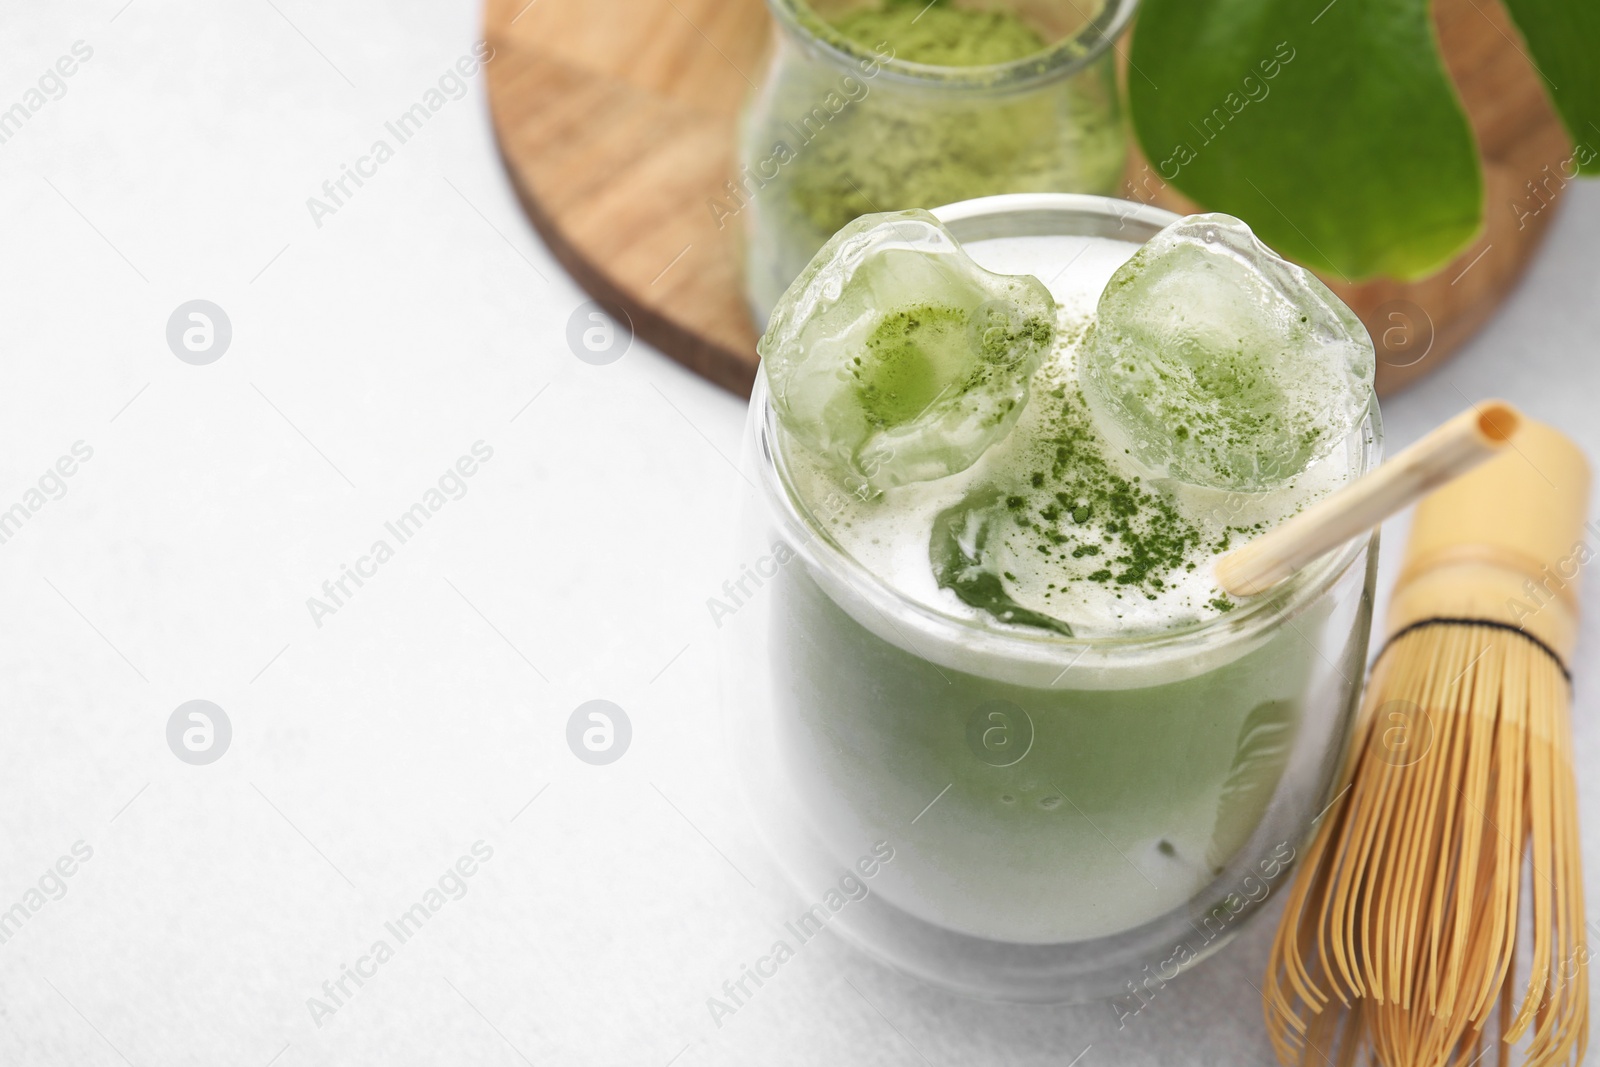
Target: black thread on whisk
<point x="1442" y="620"/>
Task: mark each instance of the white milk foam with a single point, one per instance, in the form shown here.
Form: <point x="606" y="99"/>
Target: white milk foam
<point x="889" y="534"/>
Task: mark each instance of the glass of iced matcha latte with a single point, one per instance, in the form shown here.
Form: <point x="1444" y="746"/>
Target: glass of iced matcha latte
<point x="978" y="671"/>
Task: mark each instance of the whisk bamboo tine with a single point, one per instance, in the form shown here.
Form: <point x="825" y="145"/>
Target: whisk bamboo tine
<point x="1403" y="934"/>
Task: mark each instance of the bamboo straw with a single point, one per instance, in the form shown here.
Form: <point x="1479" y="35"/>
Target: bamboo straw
<point x="1448" y="452"/>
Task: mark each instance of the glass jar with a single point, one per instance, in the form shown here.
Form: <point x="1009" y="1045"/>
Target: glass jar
<point x="838" y="128"/>
<point x="1016" y="814"/>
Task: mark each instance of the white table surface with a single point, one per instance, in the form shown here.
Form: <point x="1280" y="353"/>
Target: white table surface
<point x="371" y="752"/>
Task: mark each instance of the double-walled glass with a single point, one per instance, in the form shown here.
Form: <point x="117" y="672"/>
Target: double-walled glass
<point x="838" y="128"/>
<point x="1016" y="814"/>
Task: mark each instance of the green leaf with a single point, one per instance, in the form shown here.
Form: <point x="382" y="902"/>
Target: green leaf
<point x="1333" y="131"/>
<point x="1260" y="755"/>
<point x="962" y="565"/>
<point x="1564" y="37"/>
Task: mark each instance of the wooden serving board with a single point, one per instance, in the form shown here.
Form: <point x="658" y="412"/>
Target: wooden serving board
<point x="616" y="120"/>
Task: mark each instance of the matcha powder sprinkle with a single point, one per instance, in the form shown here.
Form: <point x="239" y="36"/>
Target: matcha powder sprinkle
<point x="1084" y="513"/>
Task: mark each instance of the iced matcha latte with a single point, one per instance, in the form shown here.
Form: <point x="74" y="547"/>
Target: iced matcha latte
<point x="997" y="454"/>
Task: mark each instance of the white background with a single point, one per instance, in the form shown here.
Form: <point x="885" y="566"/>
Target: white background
<point x="372" y="752"/>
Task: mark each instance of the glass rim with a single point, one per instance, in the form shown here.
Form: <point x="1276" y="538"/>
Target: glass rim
<point x="1006" y="216"/>
<point x="1059" y="60"/>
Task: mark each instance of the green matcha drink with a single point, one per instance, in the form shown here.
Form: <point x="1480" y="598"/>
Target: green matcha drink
<point x="996" y="463"/>
<point x="879" y="105"/>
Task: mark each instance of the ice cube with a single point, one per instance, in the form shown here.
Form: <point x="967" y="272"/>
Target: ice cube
<point x="898" y="358"/>
<point x="1215" y="362"/>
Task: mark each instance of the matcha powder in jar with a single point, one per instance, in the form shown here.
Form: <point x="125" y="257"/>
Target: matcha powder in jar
<point x="892" y="104"/>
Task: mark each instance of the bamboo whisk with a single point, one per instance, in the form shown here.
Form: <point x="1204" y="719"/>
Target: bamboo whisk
<point x="1438" y="914"/>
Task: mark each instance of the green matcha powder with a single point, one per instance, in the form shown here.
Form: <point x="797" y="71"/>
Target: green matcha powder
<point x="833" y="141"/>
<point x="942" y="35"/>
